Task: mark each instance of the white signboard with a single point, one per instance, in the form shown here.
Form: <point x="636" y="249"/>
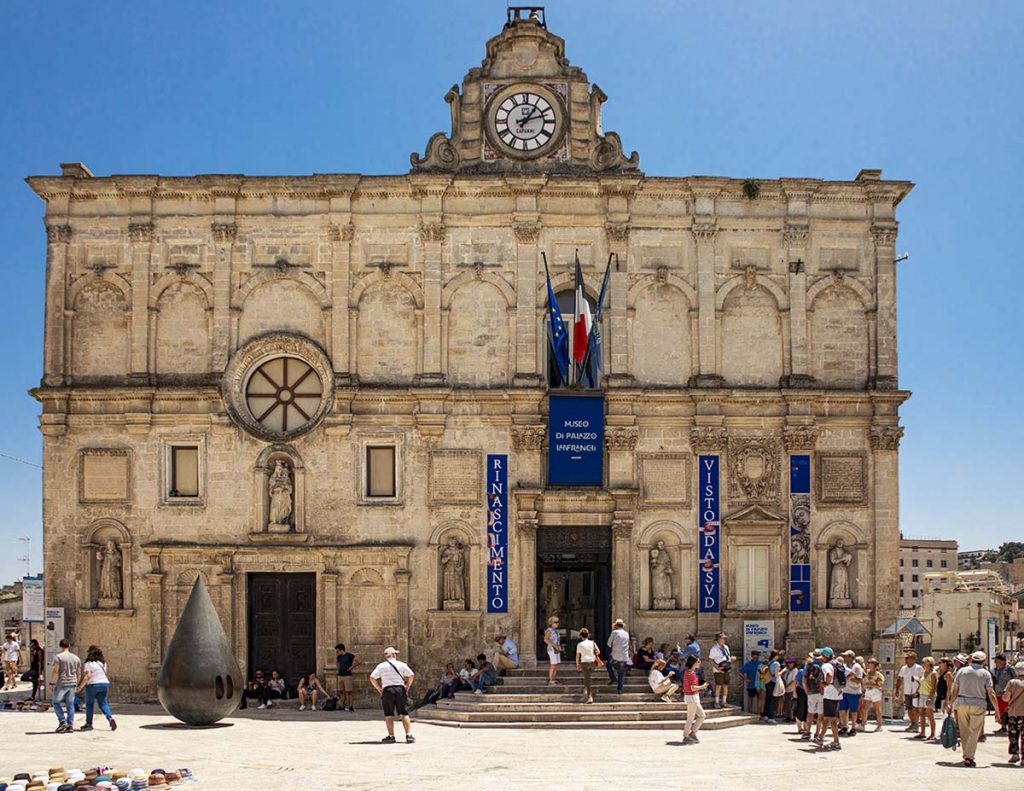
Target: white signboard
<point x="758" y="636"/>
<point x="32" y="599"/>
<point x="991" y="640"/>
<point x="54" y="632"/>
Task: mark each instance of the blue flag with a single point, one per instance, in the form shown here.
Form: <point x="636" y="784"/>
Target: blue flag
<point x="558" y="341"/>
<point x="593" y="364"/>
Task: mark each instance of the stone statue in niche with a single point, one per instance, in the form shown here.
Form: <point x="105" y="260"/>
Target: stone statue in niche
<point x="661" y="578"/>
<point x="839" y="559"/>
<point x="453" y="575"/>
<point x="281" y="505"/>
<point x="111" y="590"/>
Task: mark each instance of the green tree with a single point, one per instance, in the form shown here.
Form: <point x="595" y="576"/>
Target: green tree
<point x="1010" y="551"/>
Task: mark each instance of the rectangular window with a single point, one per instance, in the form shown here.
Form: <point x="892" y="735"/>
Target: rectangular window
<point x="901" y="578"/>
<point x="916" y="593"/>
<point x="944" y="564"/>
<point x="929" y="563"/>
<point x="380" y="471"/>
<point x="752" y="577"/>
<point x="901" y="562"/>
<point x="913" y="578"/>
<point x="184" y="477"/>
<point x="914" y="563"/>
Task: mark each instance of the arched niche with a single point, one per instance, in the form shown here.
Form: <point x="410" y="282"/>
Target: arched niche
<point x="369" y="601"/>
<point x="854" y="540"/>
<point x="469" y="543"/>
<point x="680" y="548"/>
<point x="265" y="471"/>
<point x="95" y="542"/>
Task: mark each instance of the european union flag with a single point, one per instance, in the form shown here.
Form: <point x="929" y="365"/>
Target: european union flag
<point x="558" y="341"/>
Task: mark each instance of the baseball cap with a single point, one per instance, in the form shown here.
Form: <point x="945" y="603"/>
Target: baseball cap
<point x="827" y="652"/>
<point x="978" y="656"/>
<point x="390" y="651"/>
<point x="848" y="652"/>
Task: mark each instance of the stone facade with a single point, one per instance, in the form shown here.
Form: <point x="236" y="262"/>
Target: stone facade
<point x="418" y="302"/>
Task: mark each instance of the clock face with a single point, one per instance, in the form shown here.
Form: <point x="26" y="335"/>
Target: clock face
<point x="524" y="121"/>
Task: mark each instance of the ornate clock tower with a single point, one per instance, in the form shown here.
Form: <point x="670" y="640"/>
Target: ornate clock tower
<point x="526" y="109"/>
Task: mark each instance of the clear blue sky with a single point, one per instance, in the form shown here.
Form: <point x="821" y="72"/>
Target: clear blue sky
<point x="928" y="91"/>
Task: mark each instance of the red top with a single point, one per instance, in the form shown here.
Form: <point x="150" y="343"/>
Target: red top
<point x="690" y="683"/>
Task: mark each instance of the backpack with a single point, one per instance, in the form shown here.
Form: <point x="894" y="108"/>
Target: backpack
<point x="331" y="704"/>
<point x="839" y="676"/>
<point x="763" y="674"/>
<point x="812" y="675"/>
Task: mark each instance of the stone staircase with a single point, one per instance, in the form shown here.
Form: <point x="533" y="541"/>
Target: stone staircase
<point x="524" y="700"/>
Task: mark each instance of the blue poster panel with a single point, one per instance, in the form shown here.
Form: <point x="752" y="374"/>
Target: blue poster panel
<point x="800" y="533"/>
<point x="576" y="440"/>
<point x="497" y="532"/>
<point x="709" y="532"/>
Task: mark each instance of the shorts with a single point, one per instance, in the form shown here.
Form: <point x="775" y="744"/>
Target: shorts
<point x="345" y="683"/>
<point x="554" y="657"/>
<point x="751" y="692"/>
<point x="908" y="702"/>
<point x="722" y="678"/>
<point x="924" y="702"/>
<point x="830" y="707"/>
<point x="395" y="702"/>
<point x="850" y="702"/>
<point x="815" y="703"/>
<point x="873" y="696"/>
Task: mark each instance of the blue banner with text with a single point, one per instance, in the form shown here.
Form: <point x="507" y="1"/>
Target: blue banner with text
<point x="710" y="531"/>
<point x="497" y="533"/>
<point x="800" y="533"/>
<point x="575" y="440"/>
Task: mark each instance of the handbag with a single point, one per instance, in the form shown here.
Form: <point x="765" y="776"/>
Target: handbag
<point x="599" y="662"/>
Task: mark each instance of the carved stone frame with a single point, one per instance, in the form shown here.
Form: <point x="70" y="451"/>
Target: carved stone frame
<point x="258" y="351"/>
<point x="262" y="471"/>
<point x="680" y="546"/>
<point x="122" y="452"/>
<point x="682" y="500"/>
<point x="819" y="470"/>
<point x="89" y="544"/>
<point x="562" y="120"/>
<point x="474" y="564"/>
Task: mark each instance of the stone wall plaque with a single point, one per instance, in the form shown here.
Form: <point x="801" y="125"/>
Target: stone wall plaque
<point x="104" y="476"/>
<point x="665" y="478"/>
<point x="842" y="479"/>
<point x="456" y="477"/>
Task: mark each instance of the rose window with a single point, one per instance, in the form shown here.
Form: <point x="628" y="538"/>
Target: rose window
<point x="283" y="394"/>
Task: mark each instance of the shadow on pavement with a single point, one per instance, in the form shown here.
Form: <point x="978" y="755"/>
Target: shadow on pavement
<point x="160" y="726"/>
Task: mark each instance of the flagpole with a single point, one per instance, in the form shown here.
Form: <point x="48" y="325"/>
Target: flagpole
<point x="551" y="329"/>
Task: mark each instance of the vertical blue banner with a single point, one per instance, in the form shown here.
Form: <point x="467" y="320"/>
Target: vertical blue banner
<point x="800" y="533"/>
<point x="575" y="440"/>
<point x="709" y="526"/>
<point x="497" y="532"/>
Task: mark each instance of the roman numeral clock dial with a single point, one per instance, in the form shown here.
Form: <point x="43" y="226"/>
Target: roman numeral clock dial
<point x="525" y="122"/>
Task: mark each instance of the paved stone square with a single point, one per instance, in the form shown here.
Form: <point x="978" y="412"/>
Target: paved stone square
<point x="305" y="750"/>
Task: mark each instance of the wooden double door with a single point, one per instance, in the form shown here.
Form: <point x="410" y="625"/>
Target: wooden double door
<point x="282" y="625"/>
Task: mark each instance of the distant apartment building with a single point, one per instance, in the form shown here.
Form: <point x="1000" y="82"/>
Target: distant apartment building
<point x="968" y="610"/>
<point x="920" y="556"/>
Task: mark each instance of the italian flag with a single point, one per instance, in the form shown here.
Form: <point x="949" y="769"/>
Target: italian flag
<point x="582" y="320"/>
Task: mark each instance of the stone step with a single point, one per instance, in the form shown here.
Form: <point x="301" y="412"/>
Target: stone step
<point x="573" y="696"/>
<point x="527" y="685"/>
<point x="483" y="713"/>
<point x="484" y="704"/>
<point x="610" y="723"/>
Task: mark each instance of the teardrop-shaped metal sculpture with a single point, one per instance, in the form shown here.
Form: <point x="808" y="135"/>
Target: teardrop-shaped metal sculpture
<point x="199" y="681"/>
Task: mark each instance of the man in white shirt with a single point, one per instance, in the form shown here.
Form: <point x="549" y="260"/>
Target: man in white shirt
<point x="11" y="651"/>
<point x="852" y="691"/>
<point x="721" y="662"/>
<point x="831" y="695"/>
<point x="507" y="657"/>
<point x="393" y="679"/>
<point x="618" y="643"/>
<point x="908" y="680"/>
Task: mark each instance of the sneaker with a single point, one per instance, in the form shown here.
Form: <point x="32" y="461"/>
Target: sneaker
<point x="409" y="738"/>
<point x="666" y="698"/>
<point x="61" y="728"/>
<point x="689" y="740"/>
<point x="85" y="727"/>
<point x="834" y="746"/>
<point x="69" y="729"/>
<point x="262" y="706"/>
<point x="771" y="722"/>
<point x="806" y="737"/>
<point x="818" y="740"/>
<point x="969" y="762"/>
<point x="878" y="728"/>
<point x="851" y="732"/>
<point x="1014" y="759"/>
<point x="270" y="704"/>
<point x="350" y="709"/>
<point x="620" y="691"/>
<point x="478" y="692"/>
<point x="388" y="740"/>
<point x="113" y="724"/>
<point x="303" y="708"/>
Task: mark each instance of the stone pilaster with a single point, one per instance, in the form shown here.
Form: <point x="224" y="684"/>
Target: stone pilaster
<point x="704" y="233"/>
<point x="796" y="235"/>
<point x="140" y="236"/>
<point x="622" y="532"/>
<point x="402" y="579"/>
<point x="340" y="235"/>
<point x="58" y="238"/>
<point x="155" y="587"/>
<point x="885" y="442"/>
<point x="617" y="234"/>
<point x="526" y="559"/>
<point x="621" y="444"/>
<point x="884" y="237"/>
<point x="224" y="235"/>
<point x="527" y="366"/>
<point x="329" y="626"/>
<point x="432" y="236"/>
